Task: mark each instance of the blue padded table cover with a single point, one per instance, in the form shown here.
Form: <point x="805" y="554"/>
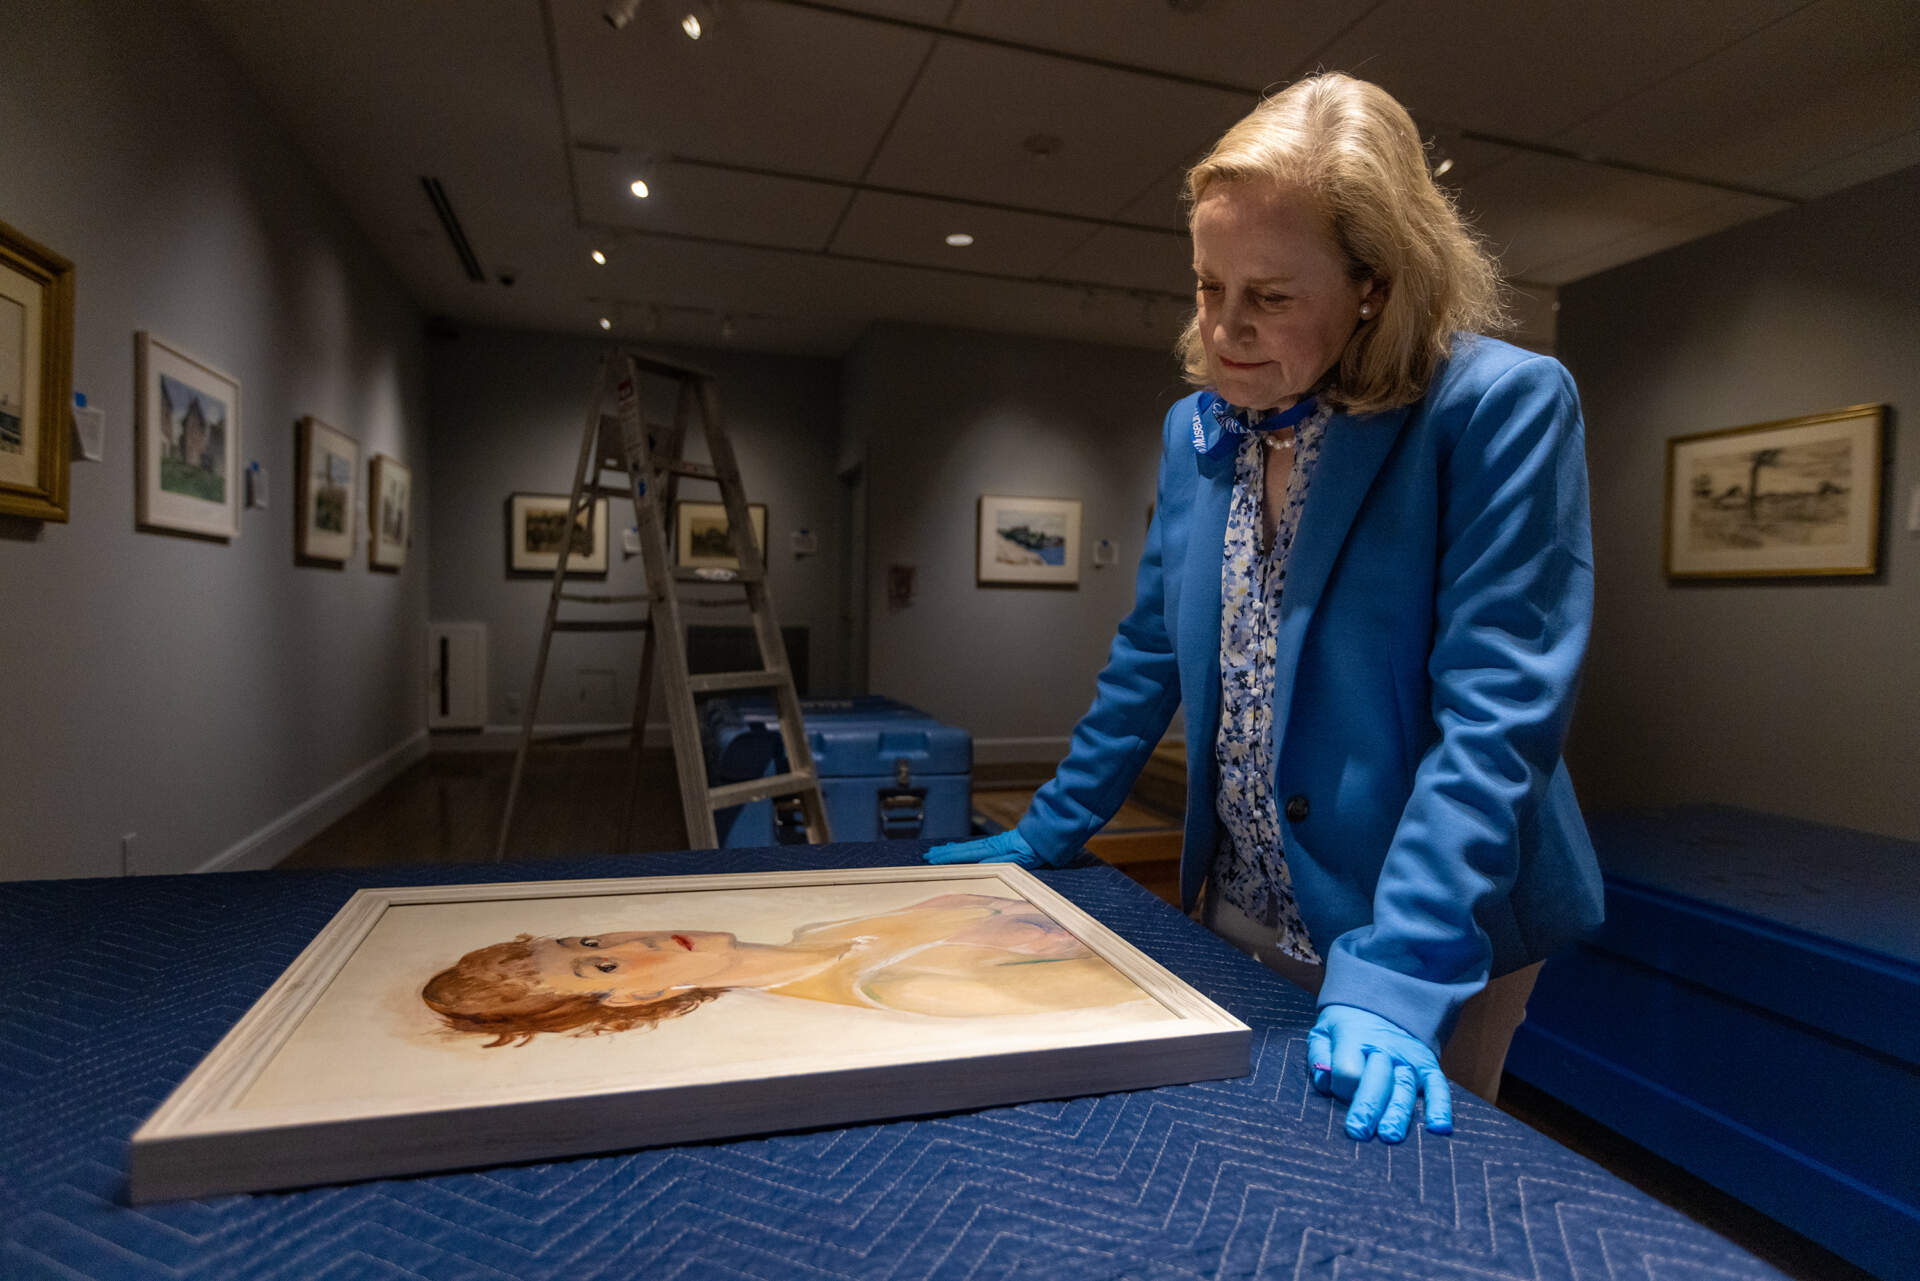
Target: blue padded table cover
<point x="114" y="989"/>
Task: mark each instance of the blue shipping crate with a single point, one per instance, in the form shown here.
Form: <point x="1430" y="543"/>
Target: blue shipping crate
<point x="887" y="771"/>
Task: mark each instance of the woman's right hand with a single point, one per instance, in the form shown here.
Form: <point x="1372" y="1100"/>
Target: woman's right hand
<point x="1003" y="847"/>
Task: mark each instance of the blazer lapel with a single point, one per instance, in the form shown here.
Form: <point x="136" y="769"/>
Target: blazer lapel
<point x="1350" y="457"/>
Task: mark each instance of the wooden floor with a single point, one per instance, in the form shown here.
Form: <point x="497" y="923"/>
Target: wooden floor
<point x="446" y="809"/>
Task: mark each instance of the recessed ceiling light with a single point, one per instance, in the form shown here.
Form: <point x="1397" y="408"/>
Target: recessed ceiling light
<point x="691" y="25"/>
<point x="959" y="239"/>
<point x="639" y="188"/>
<point x="605" y="323"/>
<point x="599" y="258"/>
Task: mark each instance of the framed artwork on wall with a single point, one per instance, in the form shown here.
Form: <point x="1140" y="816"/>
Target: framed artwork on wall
<point x="436" y="1027"/>
<point x="536" y="528"/>
<point x="390" y="514"/>
<point x="188" y="449"/>
<point x="703" y="539"/>
<point x="36" y="377"/>
<point x="1797" y="497"/>
<point x="329" y="465"/>
<point x="1029" y="542"/>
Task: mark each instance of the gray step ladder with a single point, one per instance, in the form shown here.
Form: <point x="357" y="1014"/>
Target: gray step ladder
<point x="653" y="470"/>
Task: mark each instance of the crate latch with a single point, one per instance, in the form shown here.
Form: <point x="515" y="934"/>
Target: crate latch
<point x="903" y="807"/>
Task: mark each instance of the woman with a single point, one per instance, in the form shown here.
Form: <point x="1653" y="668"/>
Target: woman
<point x="1369" y="577"/>
<point x="951" y="956"/>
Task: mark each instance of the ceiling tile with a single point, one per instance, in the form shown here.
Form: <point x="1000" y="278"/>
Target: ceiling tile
<point x="962" y="130"/>
<point x="771" y="86"/>
<point x="1530" y="70"/>
<point x="1720" y="212"/>
<point x="692" y="200"/>
<point x="1130" y="259"/>
<point x="1790" y="102"/>
<point x="912" y="230"/>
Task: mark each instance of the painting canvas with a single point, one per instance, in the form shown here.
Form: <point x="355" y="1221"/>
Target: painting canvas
<point x="702" y="538"/>
<point x="329" y="463"/>
<point x="390" y="485"/>
<point x="434" y="1027"/>
<point x="1031" y="541"/>
<point x="537" y="526"/>
<point x="188" y="452"/>
<point x="1795" y="497"/>
<point x="36" y="382"/>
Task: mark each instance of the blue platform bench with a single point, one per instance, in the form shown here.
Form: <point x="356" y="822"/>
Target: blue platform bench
<point x="1750" y="1011"/>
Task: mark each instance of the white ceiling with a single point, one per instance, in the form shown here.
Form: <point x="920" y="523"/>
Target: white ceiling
<point x="808" y="157"/>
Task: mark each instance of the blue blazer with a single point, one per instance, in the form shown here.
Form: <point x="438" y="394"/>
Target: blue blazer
<point x="1431" y="633"/>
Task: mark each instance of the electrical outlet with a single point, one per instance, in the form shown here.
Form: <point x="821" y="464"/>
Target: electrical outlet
<point x="126" y="854"/>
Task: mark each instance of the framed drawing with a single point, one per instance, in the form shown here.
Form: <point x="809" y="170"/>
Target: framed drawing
<point x="390" y="491"/>
<point x="188" y="449"/>
<point x="702" y="538"/>
<point x="436" y="1027"/>
<point x="36" y="377"/>
<point x="1029" y="541"/>
<point x="329" y="462"/>
<point x="536" y="528"/>
<point x="1796" y="497"/>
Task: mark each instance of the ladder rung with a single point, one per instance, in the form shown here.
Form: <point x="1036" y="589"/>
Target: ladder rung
<point x="721" y="576"/>
<point x="608" y="625"/>
<point x="758" y="788"/>
<point x="698" y="471"/>
<point x="714" y="681"/>
<point x="610" y="491"/>
<point x="588" y="599"/>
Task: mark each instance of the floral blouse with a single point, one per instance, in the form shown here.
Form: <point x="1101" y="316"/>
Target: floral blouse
<point x="1250" y="867"/>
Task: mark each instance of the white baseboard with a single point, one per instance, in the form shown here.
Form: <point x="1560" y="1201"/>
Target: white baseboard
<point x="1019" y="751"/>
<point x="265" y="847"/>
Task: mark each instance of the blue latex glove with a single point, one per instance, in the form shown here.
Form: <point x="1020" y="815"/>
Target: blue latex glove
<point x="1004" y="847"/>
<point x="1379" y="1068"/>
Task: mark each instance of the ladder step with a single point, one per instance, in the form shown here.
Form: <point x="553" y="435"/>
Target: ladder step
<point x="609" y="491"/>
<point x="758" y="788"/>
<point x="698" y="471"/>
<point x="715" y="681"/>
<point x="608" y="625"/>
<point x="711" y="575"/>
<point x="587" y="599"/>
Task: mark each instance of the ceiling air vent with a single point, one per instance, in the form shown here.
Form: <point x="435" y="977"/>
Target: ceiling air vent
<point x="455" y="232"/>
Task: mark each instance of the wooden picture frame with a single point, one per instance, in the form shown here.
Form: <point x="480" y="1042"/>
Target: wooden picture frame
<point x="329" y="479"/>
<point x="1028" y="542"/>
<point x="36" y="377"/>
<point x="341" y="1071"/>
<point x="1792" y="498"/>
<point x="533" y="536"/>
<point x="389" y="512"/>
<point x="187" y="450"/>
<point x="702" y="535"/>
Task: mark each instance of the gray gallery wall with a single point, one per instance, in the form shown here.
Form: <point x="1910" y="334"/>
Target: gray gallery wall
<point x="508" y="410"/>
<point x="938" y="417"/>
<point x="1795" y="696"/>
<point x="213" y="699"/>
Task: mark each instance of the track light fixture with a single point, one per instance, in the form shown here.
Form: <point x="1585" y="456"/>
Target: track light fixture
<point x="620" y="13"/>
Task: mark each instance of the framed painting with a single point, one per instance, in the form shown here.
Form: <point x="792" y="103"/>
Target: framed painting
<point x="36" y="377"/>
<point x="1029" y="541"/>
<point x="187" y="421"/>
<point x="438" y="1027"/>
<point x="703" y="538"/>
<point x="536" y="530"/>
<point x="329" y="464"/>
<point x="390" y="487"/>
<point x="1796" y="497"/>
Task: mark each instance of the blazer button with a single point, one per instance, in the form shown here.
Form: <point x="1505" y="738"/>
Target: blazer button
<point x="1297" y="809"/>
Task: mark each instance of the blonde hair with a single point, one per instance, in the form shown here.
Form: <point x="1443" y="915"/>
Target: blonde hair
<point x="496" y="991"/>
<point x="1355" y="152"/>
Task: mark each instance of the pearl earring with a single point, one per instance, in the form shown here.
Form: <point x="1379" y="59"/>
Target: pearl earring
<point x="1365" y="311"/>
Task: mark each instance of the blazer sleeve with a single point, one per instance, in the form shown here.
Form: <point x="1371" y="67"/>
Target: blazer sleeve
<point x="1134" y="696"/>
<point x="1513" y="609"/>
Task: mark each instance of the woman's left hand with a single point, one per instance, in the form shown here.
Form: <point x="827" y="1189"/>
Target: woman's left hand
<point x="1379" y="1068"/>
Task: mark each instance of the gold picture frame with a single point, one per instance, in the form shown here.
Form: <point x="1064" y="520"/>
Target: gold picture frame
<point x="329" y="474"/>
<point x="350" y="1066"/>
<point x="36" y="377"/>
<point x="703" y="537"/>
<point x="1796" y="497"/>
<point x="389" y="512"/>
<point x="534" y="542"/>
<point x="187" y="442"/>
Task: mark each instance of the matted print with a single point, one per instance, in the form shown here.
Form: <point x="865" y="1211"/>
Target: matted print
<point x="1032" y="541"/>
<point x="703" y="537"/>
<point x="537" y="528"/>
<point x="1796" y="497"/>
<point x="188" y="453"/>
<point x="433" y="1027"/>
<point x="390" y="487"/>
<point x="329" y="464"/>
<point x="36" y="377"/>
